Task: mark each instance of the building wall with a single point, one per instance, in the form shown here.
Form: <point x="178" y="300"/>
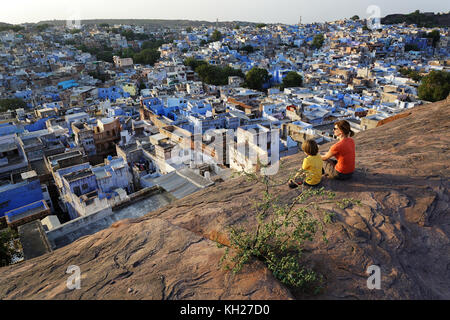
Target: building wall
<point x="85" y="185"/>
<point x="119" y="179"/>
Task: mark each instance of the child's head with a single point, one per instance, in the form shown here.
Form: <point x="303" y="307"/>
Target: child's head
<point x="310" y="147"/>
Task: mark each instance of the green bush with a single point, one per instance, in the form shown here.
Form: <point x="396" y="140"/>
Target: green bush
<point x="281" y="232"/>
<point x="256" y="78"/>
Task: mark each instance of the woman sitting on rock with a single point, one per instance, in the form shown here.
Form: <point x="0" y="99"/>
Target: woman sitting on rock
<point x="344" y="151"/>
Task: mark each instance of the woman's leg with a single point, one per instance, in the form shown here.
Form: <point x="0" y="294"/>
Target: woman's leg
<point x="329" y="166"/>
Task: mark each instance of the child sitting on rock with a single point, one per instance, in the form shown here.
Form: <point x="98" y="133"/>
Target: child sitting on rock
<point x="312" y="167"/>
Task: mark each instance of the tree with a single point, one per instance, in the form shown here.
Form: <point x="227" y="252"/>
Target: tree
<point x="194" y="63"/>
<point x="217" y="76"/>
<point x="10" y="27"/>
<point x="355" y="18"/>
<point x="127" y="53"/>
<point x="9" y="247"/>
<point x="153" y="44"/>
<point x="189" y="29"/>
<point x="248" y="49"/>
<point x="435" y="36"/>
<point x="435" y="86"/>
<point x="142" y="86"/>
<point x="261" y="25"/>
<point x="147" y="56"/>
<point x="237" y="27"/>
<point x="216" y="36"/>
<point x="413" y="74"/>
<point x="411" y="47"/>
<point x="256" y="78"/>
<point x="318" y="41"/>
<point x="107" y="56"/>
<point x="100" y="76"/>
<point x="42" y="27"/>
<point x="292" y="79"/>
<point x="11" y="104"/>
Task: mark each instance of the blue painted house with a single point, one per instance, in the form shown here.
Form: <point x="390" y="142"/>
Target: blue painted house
<point x="12" y="195"/>
<point x="64" y="85"/>
<point x="112" y="93"/>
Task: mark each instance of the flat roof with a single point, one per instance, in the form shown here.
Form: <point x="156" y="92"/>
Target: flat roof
<point x="107" y="120"/>
<point x="6" y="147"/>
<point x="34" y="240"/>
<point x="73" y="176"/>
<point x="11" y="186"/>
<point x="28" y="175"/>
<point x="64" y="155"/>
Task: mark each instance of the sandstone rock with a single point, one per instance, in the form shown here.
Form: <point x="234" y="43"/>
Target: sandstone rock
<point x="403" y="226"/>
<point x="152" y="260"/>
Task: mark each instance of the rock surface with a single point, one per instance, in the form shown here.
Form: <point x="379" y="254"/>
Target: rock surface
<point x="403" y="226"/>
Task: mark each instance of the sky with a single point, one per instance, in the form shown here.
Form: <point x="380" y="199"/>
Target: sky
<point x="267" y="11"/>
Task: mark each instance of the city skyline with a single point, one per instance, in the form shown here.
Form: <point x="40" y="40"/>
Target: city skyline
<point x="282" y="11"/>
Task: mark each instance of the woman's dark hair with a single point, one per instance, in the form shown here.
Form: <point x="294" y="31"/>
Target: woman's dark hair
<point x="344" y="126"/>
<point x="310" y="147"/>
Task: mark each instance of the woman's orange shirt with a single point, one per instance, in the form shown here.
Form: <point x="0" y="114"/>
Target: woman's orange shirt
<point x="345" y="153"/>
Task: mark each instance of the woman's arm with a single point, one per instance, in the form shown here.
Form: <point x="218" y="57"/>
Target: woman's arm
<point x="329" y="155"/>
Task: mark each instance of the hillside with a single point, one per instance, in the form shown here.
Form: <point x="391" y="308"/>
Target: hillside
<point x="156" y="23"/>
<point x="403" y="226"/>
<point x="429" y="20"/>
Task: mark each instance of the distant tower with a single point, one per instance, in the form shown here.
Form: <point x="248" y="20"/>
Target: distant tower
<point x="217" y="23"/>
<point x="300" y="21"/>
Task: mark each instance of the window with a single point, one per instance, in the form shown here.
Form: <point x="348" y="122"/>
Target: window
<point x="85" y="186"/>
<point x="77" y="191"/>
<point x="4" y="204"/>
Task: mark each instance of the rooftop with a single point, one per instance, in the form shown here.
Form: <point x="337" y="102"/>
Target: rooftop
<point x="6" y="147"/>
<point x="70" y="177"/>
<point x="33" y="240"/>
